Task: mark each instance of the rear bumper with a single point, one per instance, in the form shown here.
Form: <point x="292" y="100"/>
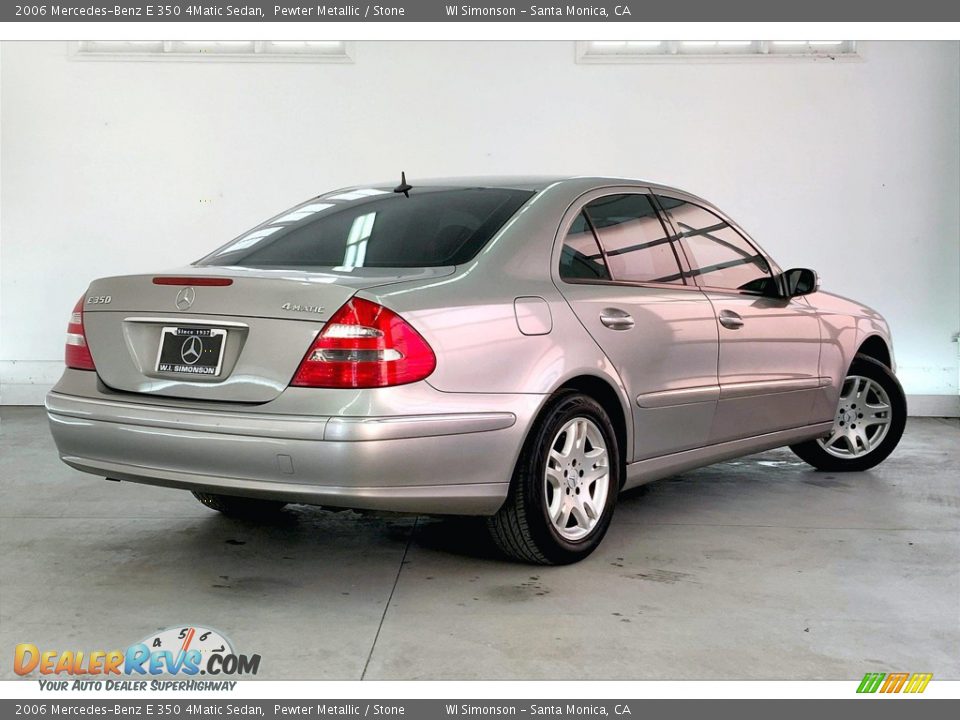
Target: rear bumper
<point x="467" y="499"/>
<point x="453" y="461"/>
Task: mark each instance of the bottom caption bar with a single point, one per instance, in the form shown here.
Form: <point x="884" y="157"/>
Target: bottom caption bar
<point x="430" y="709"/>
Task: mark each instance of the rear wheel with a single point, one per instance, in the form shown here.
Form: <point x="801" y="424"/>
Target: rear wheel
<point x="870" y="419"/>
<point x="240" y="506"/>
<point x="564" y="487"/>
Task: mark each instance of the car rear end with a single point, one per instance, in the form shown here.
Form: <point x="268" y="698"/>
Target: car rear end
<point x="272" y="368"/>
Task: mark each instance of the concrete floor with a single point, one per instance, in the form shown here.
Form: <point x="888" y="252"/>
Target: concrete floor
<point x="753" y="569"/>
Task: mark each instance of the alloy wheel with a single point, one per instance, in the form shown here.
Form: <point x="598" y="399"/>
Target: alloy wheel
<point x="863" y="419"/>
<point x="576" y="479"/>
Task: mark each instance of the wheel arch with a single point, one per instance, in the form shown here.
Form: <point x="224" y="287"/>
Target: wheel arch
<point x="876" y="347"/>
<point x="606" y="394"/>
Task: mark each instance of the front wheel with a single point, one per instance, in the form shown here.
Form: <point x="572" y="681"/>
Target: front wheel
<point x="869" y="423"/>
<point x="564" y="487"/>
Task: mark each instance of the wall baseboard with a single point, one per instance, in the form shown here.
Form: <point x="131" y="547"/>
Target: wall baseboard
<point x="933" y="405"/>
<point x="27" y="383"/>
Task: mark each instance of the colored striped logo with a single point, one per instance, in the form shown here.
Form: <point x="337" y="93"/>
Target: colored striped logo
<point x="894" y="682"/>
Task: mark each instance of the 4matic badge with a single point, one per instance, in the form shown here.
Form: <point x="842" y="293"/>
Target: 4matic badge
<point x="297" y="307"/>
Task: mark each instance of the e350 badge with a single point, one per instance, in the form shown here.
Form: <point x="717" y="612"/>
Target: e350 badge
<point x="182" y="650"/>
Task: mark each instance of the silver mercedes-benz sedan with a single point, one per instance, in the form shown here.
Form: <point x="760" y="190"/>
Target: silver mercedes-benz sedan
<point x="519" y="348"/>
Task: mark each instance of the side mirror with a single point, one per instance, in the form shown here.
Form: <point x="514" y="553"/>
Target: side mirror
<point x="801" y="281"/>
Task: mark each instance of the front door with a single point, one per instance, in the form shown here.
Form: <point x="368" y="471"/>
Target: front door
<point x="769" y="345"/>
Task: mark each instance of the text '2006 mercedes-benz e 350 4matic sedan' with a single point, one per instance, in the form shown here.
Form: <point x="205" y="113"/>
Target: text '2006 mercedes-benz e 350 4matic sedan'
<point x="519" y="348"/>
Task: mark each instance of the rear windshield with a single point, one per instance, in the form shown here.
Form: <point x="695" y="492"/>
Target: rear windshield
<point x="376" y="227"/>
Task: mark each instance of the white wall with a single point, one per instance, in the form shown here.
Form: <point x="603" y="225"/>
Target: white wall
<point x="852" y="168"/>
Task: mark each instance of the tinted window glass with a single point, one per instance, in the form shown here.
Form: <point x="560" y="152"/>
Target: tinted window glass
<point x="634" y="240"/>
<point x="581" y="258"/>
<point x="375" y="227"/>
<point x="719" y="255"/>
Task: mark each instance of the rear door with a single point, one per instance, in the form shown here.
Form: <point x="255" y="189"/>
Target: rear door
<point x="769" y="345"/>
<point x="621" y="274"/>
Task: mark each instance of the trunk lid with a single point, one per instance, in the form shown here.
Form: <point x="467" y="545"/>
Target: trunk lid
<point x="170" y="334"/>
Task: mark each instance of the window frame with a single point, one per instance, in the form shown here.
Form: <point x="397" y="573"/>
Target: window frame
<point x="580" y="206"/>
<point x="670" y="51"/>
<point x="173" y="51"/>
<point x="775" y="272"/>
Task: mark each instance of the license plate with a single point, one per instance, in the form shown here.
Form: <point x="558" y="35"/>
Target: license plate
<point x="191" y="351"/>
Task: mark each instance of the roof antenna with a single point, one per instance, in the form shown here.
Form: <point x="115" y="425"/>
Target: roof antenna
<point x="403" y="187"/>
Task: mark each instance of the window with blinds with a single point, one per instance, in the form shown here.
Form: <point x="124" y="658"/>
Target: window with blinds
<point x="247" y="50"/>
<point x="610" y="51"/>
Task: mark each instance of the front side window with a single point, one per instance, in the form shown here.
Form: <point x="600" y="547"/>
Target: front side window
<point x="581" y="258"/>
<point x="376" y="227"/>
<point x="720" y="257"/>
<point x="637" y="246"/>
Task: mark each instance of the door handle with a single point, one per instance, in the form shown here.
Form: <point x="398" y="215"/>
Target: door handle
<point x="616" y="319"/>
<point x="729" y="319"/>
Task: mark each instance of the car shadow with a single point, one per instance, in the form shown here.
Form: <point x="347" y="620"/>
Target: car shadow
<point x="465" y="536"/>
<point x="312" y="527"/>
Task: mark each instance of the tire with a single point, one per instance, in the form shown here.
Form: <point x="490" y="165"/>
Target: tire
<point x="241" y="507"/>
<point x="845" y="450"/>
<point x="523" y="528"/>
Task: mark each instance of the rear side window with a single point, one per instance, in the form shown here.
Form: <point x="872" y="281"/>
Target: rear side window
<point x="375" y="227"/>
<point x="719" y="256"/>
<point x="635" y="242"/>
<point x="581" y="258"/>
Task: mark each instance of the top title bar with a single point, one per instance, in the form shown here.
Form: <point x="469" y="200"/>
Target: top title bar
<point x="480" y="11"/>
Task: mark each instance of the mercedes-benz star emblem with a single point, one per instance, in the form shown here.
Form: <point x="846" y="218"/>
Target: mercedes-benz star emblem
<point x="191" y="349"/>
<point x="185" y="298"/>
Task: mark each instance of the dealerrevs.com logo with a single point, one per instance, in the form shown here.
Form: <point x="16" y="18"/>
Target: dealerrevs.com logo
<point x="185" y="650"/>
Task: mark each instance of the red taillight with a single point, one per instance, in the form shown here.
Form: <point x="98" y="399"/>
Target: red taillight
<point x="77" y="355"/>
<point x="365" y="345"/>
